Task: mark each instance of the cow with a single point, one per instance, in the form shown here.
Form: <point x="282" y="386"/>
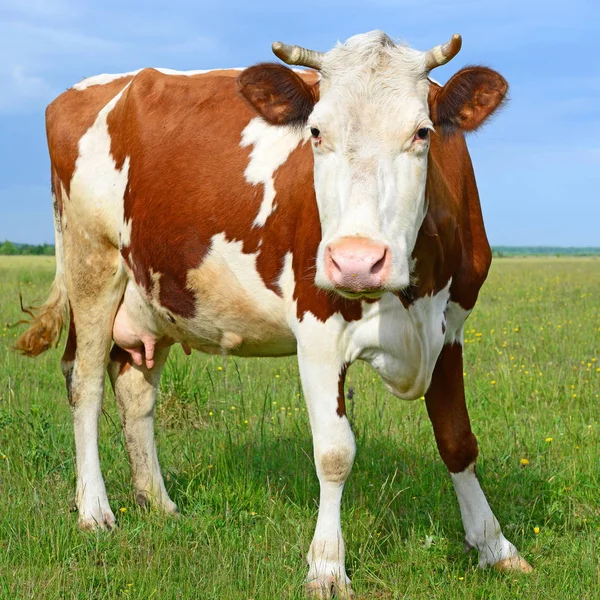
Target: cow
<point x="329" y="212"/>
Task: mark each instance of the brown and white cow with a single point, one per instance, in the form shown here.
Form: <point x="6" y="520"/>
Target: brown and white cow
<point x="267" y="213"/>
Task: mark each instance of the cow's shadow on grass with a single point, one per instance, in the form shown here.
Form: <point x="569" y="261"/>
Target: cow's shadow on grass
<point x="393" y="489"/>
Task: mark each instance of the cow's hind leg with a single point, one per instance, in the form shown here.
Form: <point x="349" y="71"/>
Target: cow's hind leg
<point x="458" y="448"/>
<point x="95" y="287"/>
<point x="135" y="392"/>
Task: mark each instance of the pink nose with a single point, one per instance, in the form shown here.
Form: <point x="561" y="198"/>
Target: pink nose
<point x="358" y="264"/>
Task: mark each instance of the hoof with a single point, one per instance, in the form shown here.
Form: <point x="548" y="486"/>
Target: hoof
<point x="163" y="504"/>
<point x="514" y="564"/>
<point x="170" y="508"/>
<point x="326" y="590"/>
<point x="105" y="523"/>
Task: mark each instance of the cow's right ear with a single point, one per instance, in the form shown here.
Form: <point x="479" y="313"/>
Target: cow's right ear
<point x="277" y="94"/>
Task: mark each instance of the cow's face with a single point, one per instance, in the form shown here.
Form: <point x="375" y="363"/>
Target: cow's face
<point x="369" y="123"/>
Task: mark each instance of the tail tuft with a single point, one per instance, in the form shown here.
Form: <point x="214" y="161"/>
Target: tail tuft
<point x="46" y="323"/>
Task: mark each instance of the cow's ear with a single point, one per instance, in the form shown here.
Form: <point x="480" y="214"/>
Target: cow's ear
<point x="277" y="94"/>
<point x="468" y="99"/>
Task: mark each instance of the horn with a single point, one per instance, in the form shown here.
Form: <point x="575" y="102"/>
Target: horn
<point x="441" y="54"/>
<point x="297" y="55"/>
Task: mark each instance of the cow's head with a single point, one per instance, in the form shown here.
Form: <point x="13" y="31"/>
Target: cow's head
<point x="370" y="120"/>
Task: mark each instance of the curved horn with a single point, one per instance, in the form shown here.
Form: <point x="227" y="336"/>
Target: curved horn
<point x="441" y="54"/>
<point x="297" y="55"/>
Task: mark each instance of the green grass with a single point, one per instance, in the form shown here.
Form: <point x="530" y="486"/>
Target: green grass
<point x="235" y="447"/>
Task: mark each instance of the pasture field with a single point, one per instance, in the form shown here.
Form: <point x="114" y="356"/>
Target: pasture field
<point x="235" y="447"/>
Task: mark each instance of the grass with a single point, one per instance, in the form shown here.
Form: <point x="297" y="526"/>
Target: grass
<point x="235" y="447"/>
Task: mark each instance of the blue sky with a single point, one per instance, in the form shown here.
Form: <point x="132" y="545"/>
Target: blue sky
<point x="537" y="163"/>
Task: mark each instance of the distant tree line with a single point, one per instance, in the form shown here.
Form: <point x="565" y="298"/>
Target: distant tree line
<point x="10" y="248"/>
<point x="543" y="251"/>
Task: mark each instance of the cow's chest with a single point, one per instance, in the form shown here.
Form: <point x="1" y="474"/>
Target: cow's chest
<point x="402" y="344"/>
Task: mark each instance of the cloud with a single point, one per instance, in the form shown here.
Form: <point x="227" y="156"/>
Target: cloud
<point x="48" y="45"/>
<point x="31" y="55"/>
<point x="39" y="9"/>
<point x="22" y="90"/>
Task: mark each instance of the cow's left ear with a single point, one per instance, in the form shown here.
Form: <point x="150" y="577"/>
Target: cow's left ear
<point x="468" y="99"/>
<point x="279" y="95"/>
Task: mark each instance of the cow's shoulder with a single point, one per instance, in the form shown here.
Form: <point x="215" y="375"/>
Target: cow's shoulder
<point x="452" y="243"/>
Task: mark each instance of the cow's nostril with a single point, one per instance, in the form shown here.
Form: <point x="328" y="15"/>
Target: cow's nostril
<point x="334" y="264"/>
<point x="378" y="266"/>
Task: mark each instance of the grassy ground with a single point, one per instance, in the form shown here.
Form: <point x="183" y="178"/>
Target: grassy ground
<point x="235" y="447"/>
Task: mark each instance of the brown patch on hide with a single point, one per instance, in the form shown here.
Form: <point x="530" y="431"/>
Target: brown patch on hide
<point x="445" y="400"/>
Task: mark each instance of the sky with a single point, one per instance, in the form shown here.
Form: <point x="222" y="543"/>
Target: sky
<point x="537" y="163"/>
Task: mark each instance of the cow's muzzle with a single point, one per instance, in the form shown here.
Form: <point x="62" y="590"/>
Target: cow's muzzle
<point x="357" y="265"/>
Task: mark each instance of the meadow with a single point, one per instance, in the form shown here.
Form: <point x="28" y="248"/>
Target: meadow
<point x="234" y="443"/>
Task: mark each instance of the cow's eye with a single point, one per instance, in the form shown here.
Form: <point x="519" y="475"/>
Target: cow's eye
<point x="422" y="134"/>
<point x="315" y="132"/>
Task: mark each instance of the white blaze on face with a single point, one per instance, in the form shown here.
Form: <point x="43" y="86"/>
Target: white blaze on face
<point x="370" y="171"/>
<point x="271" y="148"/>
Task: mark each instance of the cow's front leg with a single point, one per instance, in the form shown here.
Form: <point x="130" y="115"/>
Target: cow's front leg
<point x="334" y="449"/>
<point x="458" y="448"/>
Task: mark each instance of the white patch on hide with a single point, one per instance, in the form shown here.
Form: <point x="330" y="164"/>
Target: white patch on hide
<point x="98" y="187"/>
<point x="126" y="233"/>
<point x="456" y="316"/>
<point x="482" y="530"/>
<point x="402" y="344"/>
<point x="272" y="146"/>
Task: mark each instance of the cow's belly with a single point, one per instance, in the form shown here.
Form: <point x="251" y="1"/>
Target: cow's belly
<point x="235" y="313"/>
<point x="403" y="344"/>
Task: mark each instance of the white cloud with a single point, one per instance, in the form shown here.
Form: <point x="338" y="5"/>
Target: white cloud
<point x="39" y="9"/>
<point x="22" y="91"/>
<point x="48" y="45"/>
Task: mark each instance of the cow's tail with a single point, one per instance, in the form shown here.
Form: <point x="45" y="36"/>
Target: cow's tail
<point x="46" y="322"/>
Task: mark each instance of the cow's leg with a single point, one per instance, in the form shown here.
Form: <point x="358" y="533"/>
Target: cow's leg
<point x="135" y="392"/>
<point x="458" y="448"/>
<point x="94" y="300"/>
<point x="334" y="449"/>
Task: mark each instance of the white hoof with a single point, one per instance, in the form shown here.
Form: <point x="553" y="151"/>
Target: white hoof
<point x="104" y="521"/>
<point x="329" y="581"/>
<point x="514" y="564"/>
<point x="162" y="503"/>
